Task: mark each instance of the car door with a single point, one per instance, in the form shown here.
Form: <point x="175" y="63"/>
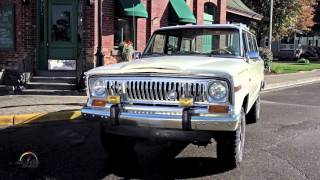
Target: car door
<point x="256" y="65"/>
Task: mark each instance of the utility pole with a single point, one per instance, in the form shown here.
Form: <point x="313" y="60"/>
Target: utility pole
<point x="270" y="28"/>
<point x="99" y="54"/>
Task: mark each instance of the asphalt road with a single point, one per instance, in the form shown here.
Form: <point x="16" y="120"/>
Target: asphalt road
<point x="284" y="145"/>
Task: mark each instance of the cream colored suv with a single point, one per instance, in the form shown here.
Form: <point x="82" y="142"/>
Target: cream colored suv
<point x="192" y="83"/>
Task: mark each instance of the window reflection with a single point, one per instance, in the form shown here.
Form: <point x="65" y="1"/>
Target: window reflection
<point x="61" y="28"/>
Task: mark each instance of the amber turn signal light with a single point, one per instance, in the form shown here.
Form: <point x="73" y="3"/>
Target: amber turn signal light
<point x="114" y="99"/>
<point x="218" y="109"/>
<point x="186" y="102"/>
<point x="99" y="103"/>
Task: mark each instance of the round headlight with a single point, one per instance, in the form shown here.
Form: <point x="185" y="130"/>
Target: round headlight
<point x="217" y="90"/>
<point x="97" y="88"/>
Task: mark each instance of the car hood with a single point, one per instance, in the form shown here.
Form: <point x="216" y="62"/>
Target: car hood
<point x="182" y="65"/>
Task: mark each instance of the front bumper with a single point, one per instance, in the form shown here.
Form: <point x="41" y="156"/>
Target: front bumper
<point x="163" y="117"/>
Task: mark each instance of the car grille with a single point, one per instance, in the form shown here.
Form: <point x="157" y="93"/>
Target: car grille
<point x="158" y="90"/>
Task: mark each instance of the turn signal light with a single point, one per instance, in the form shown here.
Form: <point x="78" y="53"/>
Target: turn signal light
<point x="218" y="109"/>
<point x="186" y="102"/>
<point x="114" y="99"/>
<point x="99" y="103"/>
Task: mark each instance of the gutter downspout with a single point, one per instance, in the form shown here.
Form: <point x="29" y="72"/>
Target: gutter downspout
<point x="99" y="54"/>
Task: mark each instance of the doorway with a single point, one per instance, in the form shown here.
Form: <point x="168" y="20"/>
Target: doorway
<point x="58" y="32"/>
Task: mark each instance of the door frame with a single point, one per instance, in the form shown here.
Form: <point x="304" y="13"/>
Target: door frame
<point x="42" y="54"/>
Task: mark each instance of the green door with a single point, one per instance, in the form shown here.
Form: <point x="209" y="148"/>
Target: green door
<point x="59" y="45"/>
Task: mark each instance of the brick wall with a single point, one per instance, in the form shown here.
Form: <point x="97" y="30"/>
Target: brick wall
<point x="25" y="21"/>
<point x="89" y="38"/>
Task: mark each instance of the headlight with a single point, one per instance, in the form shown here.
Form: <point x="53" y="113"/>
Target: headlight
<point x="218" y="91"/>
<point x="97" y="88"/>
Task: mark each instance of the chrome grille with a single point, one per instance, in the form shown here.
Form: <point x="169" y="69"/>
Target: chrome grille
<point x="157" y="89"/>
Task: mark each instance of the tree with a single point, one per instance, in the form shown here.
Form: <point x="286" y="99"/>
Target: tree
<point x="305" y="20"/>
<point x="316" y="18"/>
<point x="288" y="15"/>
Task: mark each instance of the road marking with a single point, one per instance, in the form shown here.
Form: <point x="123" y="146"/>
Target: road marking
<point x="13" y="120"/>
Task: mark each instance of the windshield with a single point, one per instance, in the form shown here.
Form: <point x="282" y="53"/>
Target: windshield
<point x="205" y="41"/>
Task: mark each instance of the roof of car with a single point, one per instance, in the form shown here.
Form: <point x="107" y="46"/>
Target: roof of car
<point x="234" y="26"/>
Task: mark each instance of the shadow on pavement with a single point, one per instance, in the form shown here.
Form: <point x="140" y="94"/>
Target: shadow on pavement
<point x="73" y="151"/>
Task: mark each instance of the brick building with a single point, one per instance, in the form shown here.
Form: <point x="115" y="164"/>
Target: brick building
<point x="41" y="35"/>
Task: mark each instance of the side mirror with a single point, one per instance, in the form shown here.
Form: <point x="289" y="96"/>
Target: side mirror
<point x="137" y="55"/>
<point x="253" y="55"/>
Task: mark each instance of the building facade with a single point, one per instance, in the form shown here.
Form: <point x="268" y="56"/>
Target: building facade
<point x="42" y="35"/>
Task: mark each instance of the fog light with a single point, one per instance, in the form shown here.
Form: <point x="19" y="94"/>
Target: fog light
<point x="99" y="103"/>
<point x="186" y="102"/>
<point x="114" y="99"/>
<point x="218" y="109"/>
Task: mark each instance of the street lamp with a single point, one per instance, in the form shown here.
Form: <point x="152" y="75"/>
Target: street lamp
<point x="99" y="54"/>
<point x="270" y="28"/>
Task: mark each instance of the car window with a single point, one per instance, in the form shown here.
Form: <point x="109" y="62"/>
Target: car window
<point x="172" y="45"/>
<point x="196" y="41"/>
<point x="245" y="43"/>
<point x="159" y="44"/>
<point x="250" y="42"/>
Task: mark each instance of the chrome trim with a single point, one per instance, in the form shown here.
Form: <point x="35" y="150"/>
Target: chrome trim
<point x="154" y="90"/>
<point x="167" y="117"/>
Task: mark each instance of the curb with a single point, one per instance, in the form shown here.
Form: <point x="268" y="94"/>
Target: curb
<point x="36" y="118"/>
<point x="290" y="84"/>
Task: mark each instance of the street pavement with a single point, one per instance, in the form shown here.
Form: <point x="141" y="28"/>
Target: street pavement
<point x="283" y="145"/>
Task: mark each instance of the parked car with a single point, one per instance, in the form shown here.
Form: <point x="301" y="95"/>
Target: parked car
<point x="192" y="83"/>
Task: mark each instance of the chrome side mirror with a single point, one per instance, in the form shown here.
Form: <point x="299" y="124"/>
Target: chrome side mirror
<point x="253" y="55"/>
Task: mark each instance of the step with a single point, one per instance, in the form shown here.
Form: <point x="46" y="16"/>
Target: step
<point x="50" y="86"/>
<point x="48" y="79"/>
<point x="4" y="90"/>
<point x="57" y="73"/>
<point x="52" y="92"/>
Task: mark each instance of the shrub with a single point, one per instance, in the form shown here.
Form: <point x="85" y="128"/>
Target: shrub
<point x="267" y="57"/>
<point x="303" y="61"/>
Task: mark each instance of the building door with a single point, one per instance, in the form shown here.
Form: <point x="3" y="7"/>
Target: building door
<point x="59" y="47"/>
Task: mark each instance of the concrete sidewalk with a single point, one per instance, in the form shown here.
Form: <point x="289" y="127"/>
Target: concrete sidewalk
<point x="24" y="106"/>
<point x="280" y="81"/>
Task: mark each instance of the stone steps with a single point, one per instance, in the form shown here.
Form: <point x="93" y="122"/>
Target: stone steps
<point x="52" y="83"/>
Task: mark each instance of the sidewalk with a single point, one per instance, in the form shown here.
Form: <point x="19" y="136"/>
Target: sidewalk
<point x="280" y="81"/>
<point x="23" y="104"/>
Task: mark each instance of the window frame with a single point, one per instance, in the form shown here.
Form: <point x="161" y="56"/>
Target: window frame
<point x="13" y="22"/>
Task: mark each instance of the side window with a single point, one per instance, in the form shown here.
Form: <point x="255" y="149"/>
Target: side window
<point x="255" y="43"/>
<point x="159" y="44"/>
<point x="245" y="43"/>
<point x="252" y="43"/>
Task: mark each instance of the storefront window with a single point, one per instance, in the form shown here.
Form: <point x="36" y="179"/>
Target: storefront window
<point x="123" y="30"/>
<point x="7" y="27"/>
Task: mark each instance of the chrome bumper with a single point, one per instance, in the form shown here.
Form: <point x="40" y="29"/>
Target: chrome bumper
<point x="164" y="117"/>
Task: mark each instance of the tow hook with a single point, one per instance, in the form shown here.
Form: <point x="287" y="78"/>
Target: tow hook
<point x="186" y="119"/>
<point x="114" y="115"/>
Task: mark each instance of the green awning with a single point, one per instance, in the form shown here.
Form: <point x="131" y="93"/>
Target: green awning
<point x="133" y="8"/>
<point x="208" y="17"/>
<point x="238" y="7"/>
<point x="183" y="11"/>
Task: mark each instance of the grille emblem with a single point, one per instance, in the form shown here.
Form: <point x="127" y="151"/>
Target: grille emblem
<point x="172" y="95"/>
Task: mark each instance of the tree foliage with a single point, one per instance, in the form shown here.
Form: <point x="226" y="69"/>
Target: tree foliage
<point x="288" y="15"/>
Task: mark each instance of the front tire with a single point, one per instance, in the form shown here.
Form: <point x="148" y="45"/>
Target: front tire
<point x="116" y="145"/>
<point x="254" y="114"/>
<point x="230" y="145"/>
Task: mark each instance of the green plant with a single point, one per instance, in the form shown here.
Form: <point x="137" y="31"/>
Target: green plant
<point x="127" y="51"/>
<point x="303" y="61"/>
<point x="267" y="57"/>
